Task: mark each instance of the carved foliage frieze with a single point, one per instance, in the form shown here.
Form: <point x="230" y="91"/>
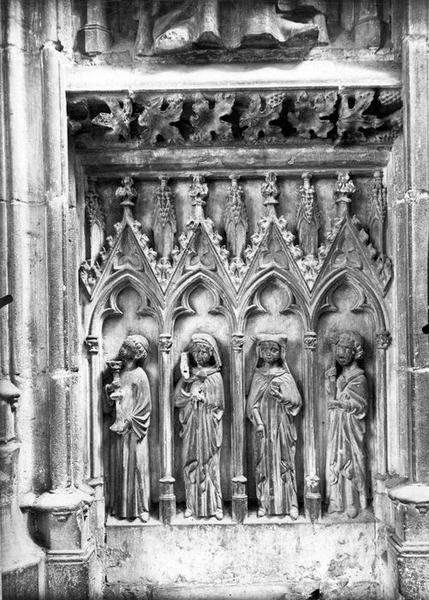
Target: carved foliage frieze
<point x="347" y="117"/>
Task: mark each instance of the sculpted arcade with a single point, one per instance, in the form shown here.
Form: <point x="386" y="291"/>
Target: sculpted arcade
<point x="238" y="320"/>
<point x="213" y="377"/>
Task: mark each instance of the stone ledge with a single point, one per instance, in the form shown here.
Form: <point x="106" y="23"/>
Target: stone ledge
<point x="251" y="519"/>
<point x="159" y="78"/>
<point x="338" y="554"/>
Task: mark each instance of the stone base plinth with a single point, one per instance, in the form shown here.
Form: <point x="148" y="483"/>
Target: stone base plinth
<point x="336" y="556"/>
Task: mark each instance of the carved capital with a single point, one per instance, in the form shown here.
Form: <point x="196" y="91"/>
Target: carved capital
<point x="91" y="343"/>
<point x="310" y="340"/>
<point x="312" y="483"/>
<point x="237" y="342"/>
<point x="165" y="342"/>
<point x="383" y="340"/>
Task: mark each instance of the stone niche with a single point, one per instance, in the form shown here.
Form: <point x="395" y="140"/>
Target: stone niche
<point x="230" y="264"/>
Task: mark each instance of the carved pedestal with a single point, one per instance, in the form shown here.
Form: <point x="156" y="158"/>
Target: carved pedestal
<point x="61" y="525"/>
<point x="409" y="539"/>
<point x="22" y="565"/>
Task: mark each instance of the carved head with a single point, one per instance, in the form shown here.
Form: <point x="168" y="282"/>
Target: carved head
<point x="135" y="347"/>
<point x="271" y="349"/>
<point x="204" y="350"/>
<point x="269" y="352"/>
<point x="348" y="347"/>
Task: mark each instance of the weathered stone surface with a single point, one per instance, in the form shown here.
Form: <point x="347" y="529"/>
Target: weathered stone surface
<point x="249" y="554"/>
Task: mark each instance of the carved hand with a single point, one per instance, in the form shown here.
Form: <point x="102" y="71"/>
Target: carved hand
<point x="125" y="429"/>
<point x="260" y="431"/>
<point x="334" y="404"/>
<point x="275" y="391"/>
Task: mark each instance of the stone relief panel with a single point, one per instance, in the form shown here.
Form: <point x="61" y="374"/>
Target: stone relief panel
<point x="238" y="285"/>
<point x="222" y="30"/>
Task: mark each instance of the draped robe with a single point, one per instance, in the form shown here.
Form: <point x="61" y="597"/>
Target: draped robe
<point x="345" y="474"/>
<point x="275" y="451"/>
<point x="201" y="434"/>
<point x="128" y="482"/>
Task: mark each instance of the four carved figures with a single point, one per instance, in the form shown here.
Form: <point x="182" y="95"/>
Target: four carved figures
<point x="273" y="402"/>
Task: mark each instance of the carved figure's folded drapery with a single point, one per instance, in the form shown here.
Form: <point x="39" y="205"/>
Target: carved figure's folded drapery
<point x="231" y="25"/>
<point x="200" y="399"/>
<point x="346" y="455"/>
<point x="127" y="477"/>
<point x="347" y="404"/>
<point x="272" y="404"/>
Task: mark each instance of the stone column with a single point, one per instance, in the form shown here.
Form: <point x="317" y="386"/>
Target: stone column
<point x="22" y="566"/>
<point x="313" y="499"/>
<point x="167" y="498"/>
<point x="62" y="513"/>
<point x="239" y="493"/>
<point x="411" y="214"/>
<point x="383" y="339"/>
<point x="96" y="37"/>
<point x="95" y="417"/>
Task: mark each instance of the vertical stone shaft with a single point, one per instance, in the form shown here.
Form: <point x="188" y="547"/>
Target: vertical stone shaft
<point x="96" y="410"/>
<point x="412" y="255"/>
<point x="239" y="495"/>
<point x="97" y="37"/>
<point x="382" y="343"/>
<point x="167" y="498"/>
<point x="310" y="464"/>
<point x="55" y="153"/>
<point x="19" y="556"/>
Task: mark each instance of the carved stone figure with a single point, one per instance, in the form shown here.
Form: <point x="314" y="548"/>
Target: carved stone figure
<point x="378" y="212"/>
<point x="199" y="395"/>
<point x="128" y="398"/>
<point x="236" y="221"/>
<point x="243" y="23"/>
<point x="198" y="192"/>
<point x="308" y="217"/>
<point x="272" y="404"/>
<point x="270" y="192"/>
<point x="164" y="219"/>
<point x="347" y="404"/>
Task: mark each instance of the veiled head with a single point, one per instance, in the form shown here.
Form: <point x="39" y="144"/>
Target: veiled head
<point x="204" y="350"/>
<point x="271" y="348"/>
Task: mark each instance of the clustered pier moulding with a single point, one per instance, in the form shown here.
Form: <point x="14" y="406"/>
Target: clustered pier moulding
<point x="214" y="224"/>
